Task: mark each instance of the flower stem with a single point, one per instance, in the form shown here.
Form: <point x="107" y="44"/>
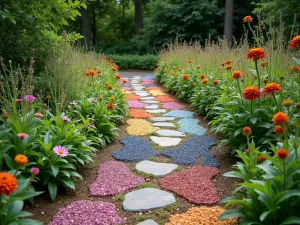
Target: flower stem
<point x="284" y="177"/>
<point x="257" y="73"/>
<point x="278" y="108"/>
<point x="251" y="109"/>
<point x="240" y="91"/>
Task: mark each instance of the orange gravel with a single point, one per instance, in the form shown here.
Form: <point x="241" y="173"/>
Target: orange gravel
<point x="132" y="97"/>
<point x="157" y="92"/>
<point x="153" y="88"/>
<point x="165" y="98"/>
<point x="201" y="216"/>
<point x="139" y="113"/>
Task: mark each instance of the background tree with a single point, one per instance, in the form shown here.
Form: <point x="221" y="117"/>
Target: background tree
<point x="228" y="21"/>
<point x="138" y="16"/>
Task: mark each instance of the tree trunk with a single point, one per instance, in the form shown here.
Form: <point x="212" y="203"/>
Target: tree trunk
<point x="123" y="19"/>
<point x="138" y="16"/>
<point x="85" y="27"/>
<point x="94" y="29"/>
<point x="228" y="21"/>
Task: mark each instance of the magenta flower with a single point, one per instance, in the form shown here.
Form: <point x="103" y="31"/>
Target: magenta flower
<point x="19" y="100"/>
<point x="39" y="115"/>
<point x="94" y="101"/>
<point x="29" y="98"/>
<point x="73" y="103"/>
<point x="22" y="135"/>
<point x="66" y="119"/>
<point x="35" y="170"/>
<point x="93" y="126"/>
<point x="61" y="151"/>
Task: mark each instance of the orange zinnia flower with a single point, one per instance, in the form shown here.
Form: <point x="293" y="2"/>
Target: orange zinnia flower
<point x="118" y="76"/>
<point x="271" y="88"/>
<point x="87" y="73"/>
<point x="112" y="98"/>
<point x="280" y="118"/>
<point x="251" y="93"/>
<point x="185" y="77"/>
<point x="229" y="67"/>
<point x="190" y="61"/>
<point x="228" y="62"/>
<point x="298" y="105"/>
<point x="247" y="131"/>
<point x="223" y="63"/>
<point x="109" y="87"/>
<point x="295" y="69"/>
<point x="99" y="72"/>
<point x="247" y="19"/>
<point x="179" y="69"/>
<point x="278" y="130"/>
<point x="125" y="81"/>
<point x="204" y="81"/>
<point x="114" y="68"/>
<point x="202" y="76"/>
<point x="110" y="106"/>
<point x="112" y="61"/>
<point x="92" y="72"/>
<point x="21" y="159"/>
<point x="215" y="82"/>
<point x="8" y="183"/>
<point x="282" y="153"/>
<point x="256" y="54"/>
<point x="165" y="71"/>
<point x="237" y="75"/>
<point x="173" y="74"/>
<point x="295" y="42"/>
<point x="287" y="102"/>
<point x="261" y="158"/>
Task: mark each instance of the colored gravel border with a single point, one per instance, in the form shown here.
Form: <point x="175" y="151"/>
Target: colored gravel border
<point x="114" y="178"/>
<point x="193" y="184"/>
<point x="153" y="88"/>
<point x="132" y="97"/>
<point x="87" y="213"/>
<point x="180" y="113"/>
<point x="148" y="82"/>
<point x="172" y="105"/>
<point x="140" y="113"/>
<point x="157" y="92"/>
<point x="191" y="150"/>
<point x="151" y="85"/>
<point x="201" y="216"/>
<point x="140" y="127"/>
<point x="191" y="126"/>
<point x="136" y="104"/>
<point x="134" y="149"/>
<point x="165" y="98"/>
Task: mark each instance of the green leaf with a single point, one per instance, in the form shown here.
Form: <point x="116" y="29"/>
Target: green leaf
<point x="14" y="208"/>
<point x="69" y="183"/>
<point x="286" y="195"/>
<point x="52" y="188"/>
<point x="29" y="222"/>
<point x="10" y="162"/>
<point x="232" y="213"/>
<point x="291" y="220"/>
<point x="55" y="170"/>
<point x="296" y="60"/>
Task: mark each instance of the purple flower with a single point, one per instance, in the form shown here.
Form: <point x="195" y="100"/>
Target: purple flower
<point x="93" y="126"/>
<point x="66" y="119"/>
<point x="29" y="98"/>
<point x="73" y="103"/>
<point x="198" y="67"/>
<point x="61" y="151"/>
<point x="22" y="135"/>
<point x="35" y="170"/>
<point x="19" y="100"/>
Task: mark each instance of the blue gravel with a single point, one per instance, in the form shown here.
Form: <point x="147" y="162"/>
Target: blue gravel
<point x="191" y="126"/>
<point x="149" y="77"/>
<point x="126" y="85"/>
<point x="150" y="85"/>
<point x="190" y="151"/>
<point x="135" y="149"/>
<point x="180" y="113"/>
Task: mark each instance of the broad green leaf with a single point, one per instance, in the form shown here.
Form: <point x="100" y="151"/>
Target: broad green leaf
<point x="291" y="220"/>
<point x="52" y="188"/>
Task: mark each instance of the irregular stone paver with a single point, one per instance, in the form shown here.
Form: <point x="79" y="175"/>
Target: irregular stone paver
<point x="138" y="88"/>
<point x="201" y="216"/>
<point x="154" y="168"/>
<point x="140" y="92"/>
<point x="149" y="77"/>
<point x="143" y="94"/>
<point x="156" y="92"/>
<point x="165" y="141"/>
<point x="132" y="97"/>
<point x="126" y="88"/>
<point x="139" y="113"/>
<point x="162" y="119"/>
<point x="147" y="199"/>
<point x="136" y="85"/>
<point x="87" y="213"/>
<point x="150" y="85"/>
<point x="148" y="222"/>
<point x="153" y="88"/>
<point x="148" y="82"/>
<point x="134" y="149"/>
<point x="193" y="184"/>
<point x="170" y="133"/>
<point x="172" y="105"/>
<point x="151" y="101"/>
<point x="128" y="92"/>
<point x="139" y="127"/>
<point x="191" y="126"/>
<point x="165" y="98"/>
<point x="191" y="150"/>
<point x="153" y="106"/>
<point x="114" y="178"/>
<point x="155" y="111"/>
<point x="180" y="113"/>
<point x="163" y="124"/>
<point x="147" y="98"/>
<point x="136" y="104"/>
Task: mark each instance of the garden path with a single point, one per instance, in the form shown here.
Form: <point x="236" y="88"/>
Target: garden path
<point x="164" y="140"/>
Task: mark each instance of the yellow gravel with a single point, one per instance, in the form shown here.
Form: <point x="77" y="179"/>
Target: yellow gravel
<point x="128" y="92"/>
<point x="157" y="92"/>
<point x="201" y="216"/>
<point x="140" y="127"/>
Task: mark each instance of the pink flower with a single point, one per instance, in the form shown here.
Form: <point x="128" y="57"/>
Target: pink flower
<point x="22" y="135"/>
<point x="29" y="98"/>
<point x="93" y="126"/>
<point x="35" y="170"/>
<point x="66" y="119"/>
<point x="19" y="100"/>
<point x="39" y="115"/>
<point x="94" y="101"/>
<point x="61" y="151"/>
<point x="73" y="103"/>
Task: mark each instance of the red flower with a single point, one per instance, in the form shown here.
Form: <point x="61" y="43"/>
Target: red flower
<point x="202" y="76"/>
<point x="204" y="81"/>
<point x="282" y="153"/>
<point x="271" y="88"/>
<point x="228" y="62"/>
<point x="110" y="106"/>
<point x="8" y="183"/>
<point x="247" y="19"/>
<point x="125" y="81"/>
<point x="237" y="75"/>
<point x="247" y="131"/>
<point x="185" y="77"/>
<point x="118" y="76"/>
<point x="92" y="72"/>
<point x="256" y="54"/>
<point x="295" y="42"/>
<point x="295" y="69"/>
<point x="278" y="130"/>
<point x="109" y="87"/>
<point x="229" y="67"/>
<point x="250" y="93"/>
<point x="99" y="72"/>
<point x="261" y="158"/>
<point x="215" y="82"/>
<point x="190" y="61"/>
<point x="87" y="73"/>
<point x="280" y="118"/>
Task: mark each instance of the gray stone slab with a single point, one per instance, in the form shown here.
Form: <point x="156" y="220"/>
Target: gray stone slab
<point x="136" y="85"/>
<point x="165" y="141"/>
<point x="138" y="88"/>
<point x="140" y="92"/>
<point x="162" y="119"/>
<point x="151" y="101"/>
<point x="148" y="222"/>
<point x="155" y="168"/>
<point x="153" y="106"/>
<point x="163" y="124"/>
<point x="147" y="199"/>
<point x="156" y="111"/>
<point x="147" y="98"/>
<point x="143" y="94"/>
<point x="170" y="133"/>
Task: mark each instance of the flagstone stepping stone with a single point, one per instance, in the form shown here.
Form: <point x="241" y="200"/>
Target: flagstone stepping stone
<point x="148" y="82"/>
<point x="154" y="106"/>
<point x="163" y="124"/>
<point x="191" y="150"/>
<point x="170" y="133"/>
<point x="137" y="77"/>
<point x="172" y="105"/>
<point x="165" y="141"/>
<point x="155" y="111"/>
<point x="165" y="98"/>
<point x="114" y="178"/>
<point x="128" y="92"/>
<point x="147" y="199"/>
<point x="139" y="113"/>
<point x="132" y="97"/>
<point x="191" y="126"/>
<point x="150" y="85"/>
<point x="138" y="88"/>
<point x="136" y="85"/>
<point x="134" y="149"/>
<point x="139" y="127"/>
<point x="153" y="88"/>
<point x="148" y="222"/>
<point x="149" y="77"/>
<point x="180" y="113"/>
<point x="126" y="85"/>
<point x="143" y="94"/>
<point x="201" y="215"/>
<point x="193" y="184"/>
<point x="156" y="92"/>
<point x="87" y="213"/>
<point x="162" y="119"/>
<point x="126" y="88"/>
<point x="147" y="98"/>
<point x="155" y="168"/>
<point x="151" y="101"/>
<point x="140" y="91"/>
<point x="136" y="104"/>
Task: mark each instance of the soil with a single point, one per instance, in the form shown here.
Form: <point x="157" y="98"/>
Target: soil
<point x="44" y="209"/>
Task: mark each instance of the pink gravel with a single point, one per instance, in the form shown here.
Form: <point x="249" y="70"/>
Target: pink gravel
<point x="193" y="184"/>
<point x="172" y="105"/>
<point x="136" y="104"/>
<point x="87" y="213"/>
<point x="127" y="88"/>
<point x="114" y="178"/>
<point x="148" y="82"/>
